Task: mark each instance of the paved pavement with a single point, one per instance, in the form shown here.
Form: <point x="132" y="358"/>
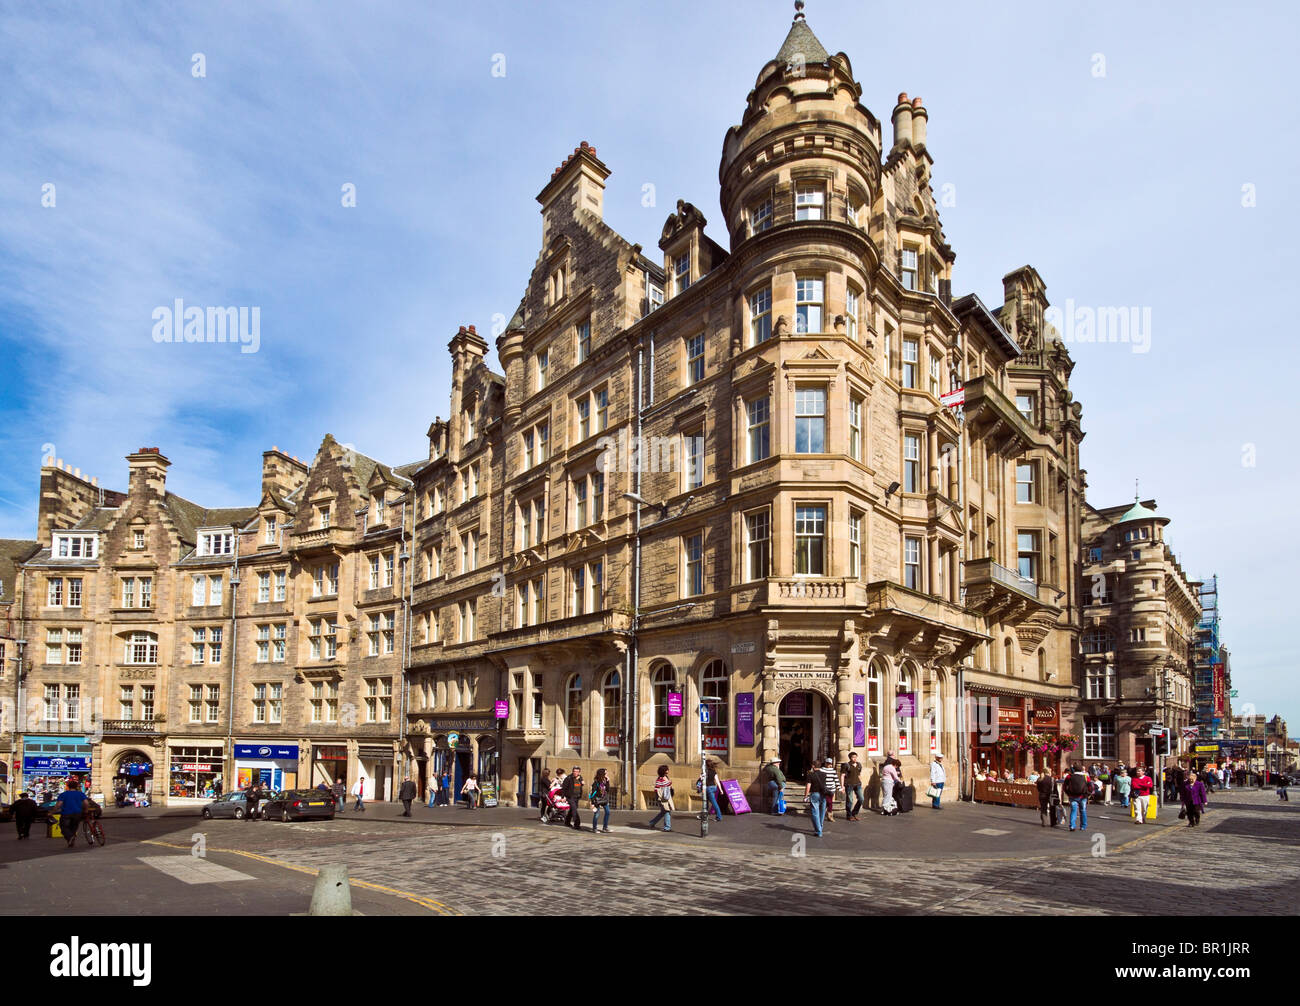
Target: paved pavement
<point x="966" y="859"/>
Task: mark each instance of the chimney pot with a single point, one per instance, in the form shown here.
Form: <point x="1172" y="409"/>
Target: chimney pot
<point x="916" y="102"/>
<point x="77" y="472"/>
<point x="94" y="480"/>
<point x="902" y="97"/>
<point x="59" y="464"/>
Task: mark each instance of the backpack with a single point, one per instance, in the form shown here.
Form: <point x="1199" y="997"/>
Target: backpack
<point x="818" y="782"/>
<point x="1078" y="785"/>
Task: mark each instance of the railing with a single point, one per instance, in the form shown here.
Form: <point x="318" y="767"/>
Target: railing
<point x="810" y="589"/>
<point x="1000" y="574"/>
<point x="130" y="726"/>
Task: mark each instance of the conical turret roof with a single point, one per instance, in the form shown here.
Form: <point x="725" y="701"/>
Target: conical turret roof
<point x="801" y="42"/>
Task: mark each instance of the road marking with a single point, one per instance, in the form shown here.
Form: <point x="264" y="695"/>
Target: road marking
<point x="193" y="870"/>
<point x="430" y="903"/>
<point x="990" y="831"/>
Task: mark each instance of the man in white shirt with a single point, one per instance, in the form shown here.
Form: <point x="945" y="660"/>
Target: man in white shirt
<point x="937" y="779"/>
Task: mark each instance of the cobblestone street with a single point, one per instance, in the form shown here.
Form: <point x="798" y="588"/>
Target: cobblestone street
<point x="1240" y="861"/>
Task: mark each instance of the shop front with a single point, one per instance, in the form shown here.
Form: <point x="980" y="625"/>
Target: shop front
<point x="274" y="764"/>
<point x="1013" y="737"/>
<point x="194" y="771"/>
<point x="329" y="763"/>
<point x="50" y="761"/>
<point x="377" y="766"/>
<point x="133" y="779"/>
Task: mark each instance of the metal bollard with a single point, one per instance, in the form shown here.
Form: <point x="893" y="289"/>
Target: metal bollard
<point x="333" y="893"/>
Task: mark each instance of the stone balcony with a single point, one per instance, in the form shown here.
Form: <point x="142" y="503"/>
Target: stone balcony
<point x="993" y="416"/>
<point x="133" y="727"/>
<point x="999" y="594"/>
<point x="321" y="539"/>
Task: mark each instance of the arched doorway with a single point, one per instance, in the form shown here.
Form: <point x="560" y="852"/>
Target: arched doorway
<point x="133" y="777"/>
<point x="806" y="733"/>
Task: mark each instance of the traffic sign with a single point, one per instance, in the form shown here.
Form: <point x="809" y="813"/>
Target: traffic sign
<point x="704" y="714"/>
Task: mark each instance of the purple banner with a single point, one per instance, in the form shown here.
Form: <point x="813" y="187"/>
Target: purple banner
<point x="735" y="796"/>
<point x="503" y="709"/>
<point x="905" y="705"/>
<point x="859" y="720"/>
<point x="744" y="719"/>
<point x="674" y="703"/>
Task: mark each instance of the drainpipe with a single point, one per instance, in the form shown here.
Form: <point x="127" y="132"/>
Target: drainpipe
<point x="963" y="733"/>
<point x="408" y="584"/>
<point x="633" y="674"/>
<point x="230" y="782"/>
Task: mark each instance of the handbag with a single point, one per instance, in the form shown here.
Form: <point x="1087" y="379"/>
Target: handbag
<point x="932" y="792"/>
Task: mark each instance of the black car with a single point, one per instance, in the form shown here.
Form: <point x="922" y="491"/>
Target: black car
<point x="298" y="805"/>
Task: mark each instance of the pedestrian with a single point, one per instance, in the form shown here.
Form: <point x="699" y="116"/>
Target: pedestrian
<point x="664" y="794"/>
<point x="216" y="786"/>
<point x="1047" y="799"/>
<point x="470" y="791"/>
<point x="1143" y="786"/>
<point x="359" y="791"/>
<point x="889" y="778"/>
<point x="708" y="784"/>
<point x="599" y="798"/>
<point x="543" y="786"/>
<point x="340" y="791"/>
<point x="1282" y="783"/>
<point x="1078" y="788"/>
<point x="69" y="807"/>
<point x="444" y="788"/>
<point x="1174" y="777"/>
<point x="851" y="782"/>
<point x="573" y="790"/>
<point x="1193" y="798"/>
<point x="24" y="810"/>
<point x="433" y="792"/>
<point x="937" y="779"/>
<point x="775" y="784"/>
<point x="252" y="795"/>
<point x="814" y="795"/>
<point x="406" y="794"/>
<point x="1123" y="786"/>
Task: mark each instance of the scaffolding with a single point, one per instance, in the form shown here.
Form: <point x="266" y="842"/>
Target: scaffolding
<point x="1206" y="657"/>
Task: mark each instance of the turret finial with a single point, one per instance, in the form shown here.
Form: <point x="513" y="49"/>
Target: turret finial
<point x="798" y="10"/>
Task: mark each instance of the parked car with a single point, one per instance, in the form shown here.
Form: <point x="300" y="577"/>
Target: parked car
<point x="298" y="804"/>
<point x="228" y="805"/>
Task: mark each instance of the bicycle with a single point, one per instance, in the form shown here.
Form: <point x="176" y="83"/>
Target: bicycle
<point x="93" y="830"/>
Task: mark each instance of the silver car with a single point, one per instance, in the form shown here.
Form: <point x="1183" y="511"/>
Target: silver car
<point x="227" y="805"/>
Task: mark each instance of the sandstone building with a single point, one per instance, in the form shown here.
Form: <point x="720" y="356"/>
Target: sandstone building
<point x="1139" y="622"/>
<point x="821" y="544"/>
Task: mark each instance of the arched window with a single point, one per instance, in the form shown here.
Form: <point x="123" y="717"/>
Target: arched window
<point x="934" y="713"/>
<point x="663" y="681"/>
<point x="715" y="683"/>
<point x="875" y="682"/>
<point x="905" y="712"/>
<point x="573" y="713"/>
<point x="611" y="701"/>
<point x="141" y="648"/>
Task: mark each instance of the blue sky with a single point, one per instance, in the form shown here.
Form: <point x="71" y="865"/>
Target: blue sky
<point x="1122" y="189"/>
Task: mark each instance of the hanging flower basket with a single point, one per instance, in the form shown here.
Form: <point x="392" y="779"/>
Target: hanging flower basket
<point x="1067" y="742"/>
<point x="1009" y="742"/>
<point x="1038" y="743"/>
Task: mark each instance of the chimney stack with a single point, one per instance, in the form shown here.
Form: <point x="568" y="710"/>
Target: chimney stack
<point x="148" y="470"/>
<point x="902" y="122"/>
<point x="919" y="119"/>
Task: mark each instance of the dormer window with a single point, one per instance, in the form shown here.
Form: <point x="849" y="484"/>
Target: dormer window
<point x="469" y="425"/>
<point x="681" y="273"/>
<point x="556" y="285"/>
<point x="137" y="539"/>
<point x="216" y="543"/>
<point x="379" y="509"/>
<point x="76" y="546"/>
<point x="322" y="517"/>
<point x="268" y="535"/>
<point x="810" y="203"/>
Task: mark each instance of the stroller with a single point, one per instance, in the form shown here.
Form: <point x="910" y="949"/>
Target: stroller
<point x="554" y="807"/>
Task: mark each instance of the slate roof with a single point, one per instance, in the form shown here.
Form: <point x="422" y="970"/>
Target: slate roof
<point x="12" y="552"/>
<point x="802" y="41"/>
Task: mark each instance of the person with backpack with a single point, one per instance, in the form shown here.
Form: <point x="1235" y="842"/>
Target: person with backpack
<point x="1143" y="787"/>
<point x="664" y="794"/>
<point x="1078" y="788"/>
<point x="599" y="798"/>
<point x="776" y="785"/>
<point x="815" y="796"/>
